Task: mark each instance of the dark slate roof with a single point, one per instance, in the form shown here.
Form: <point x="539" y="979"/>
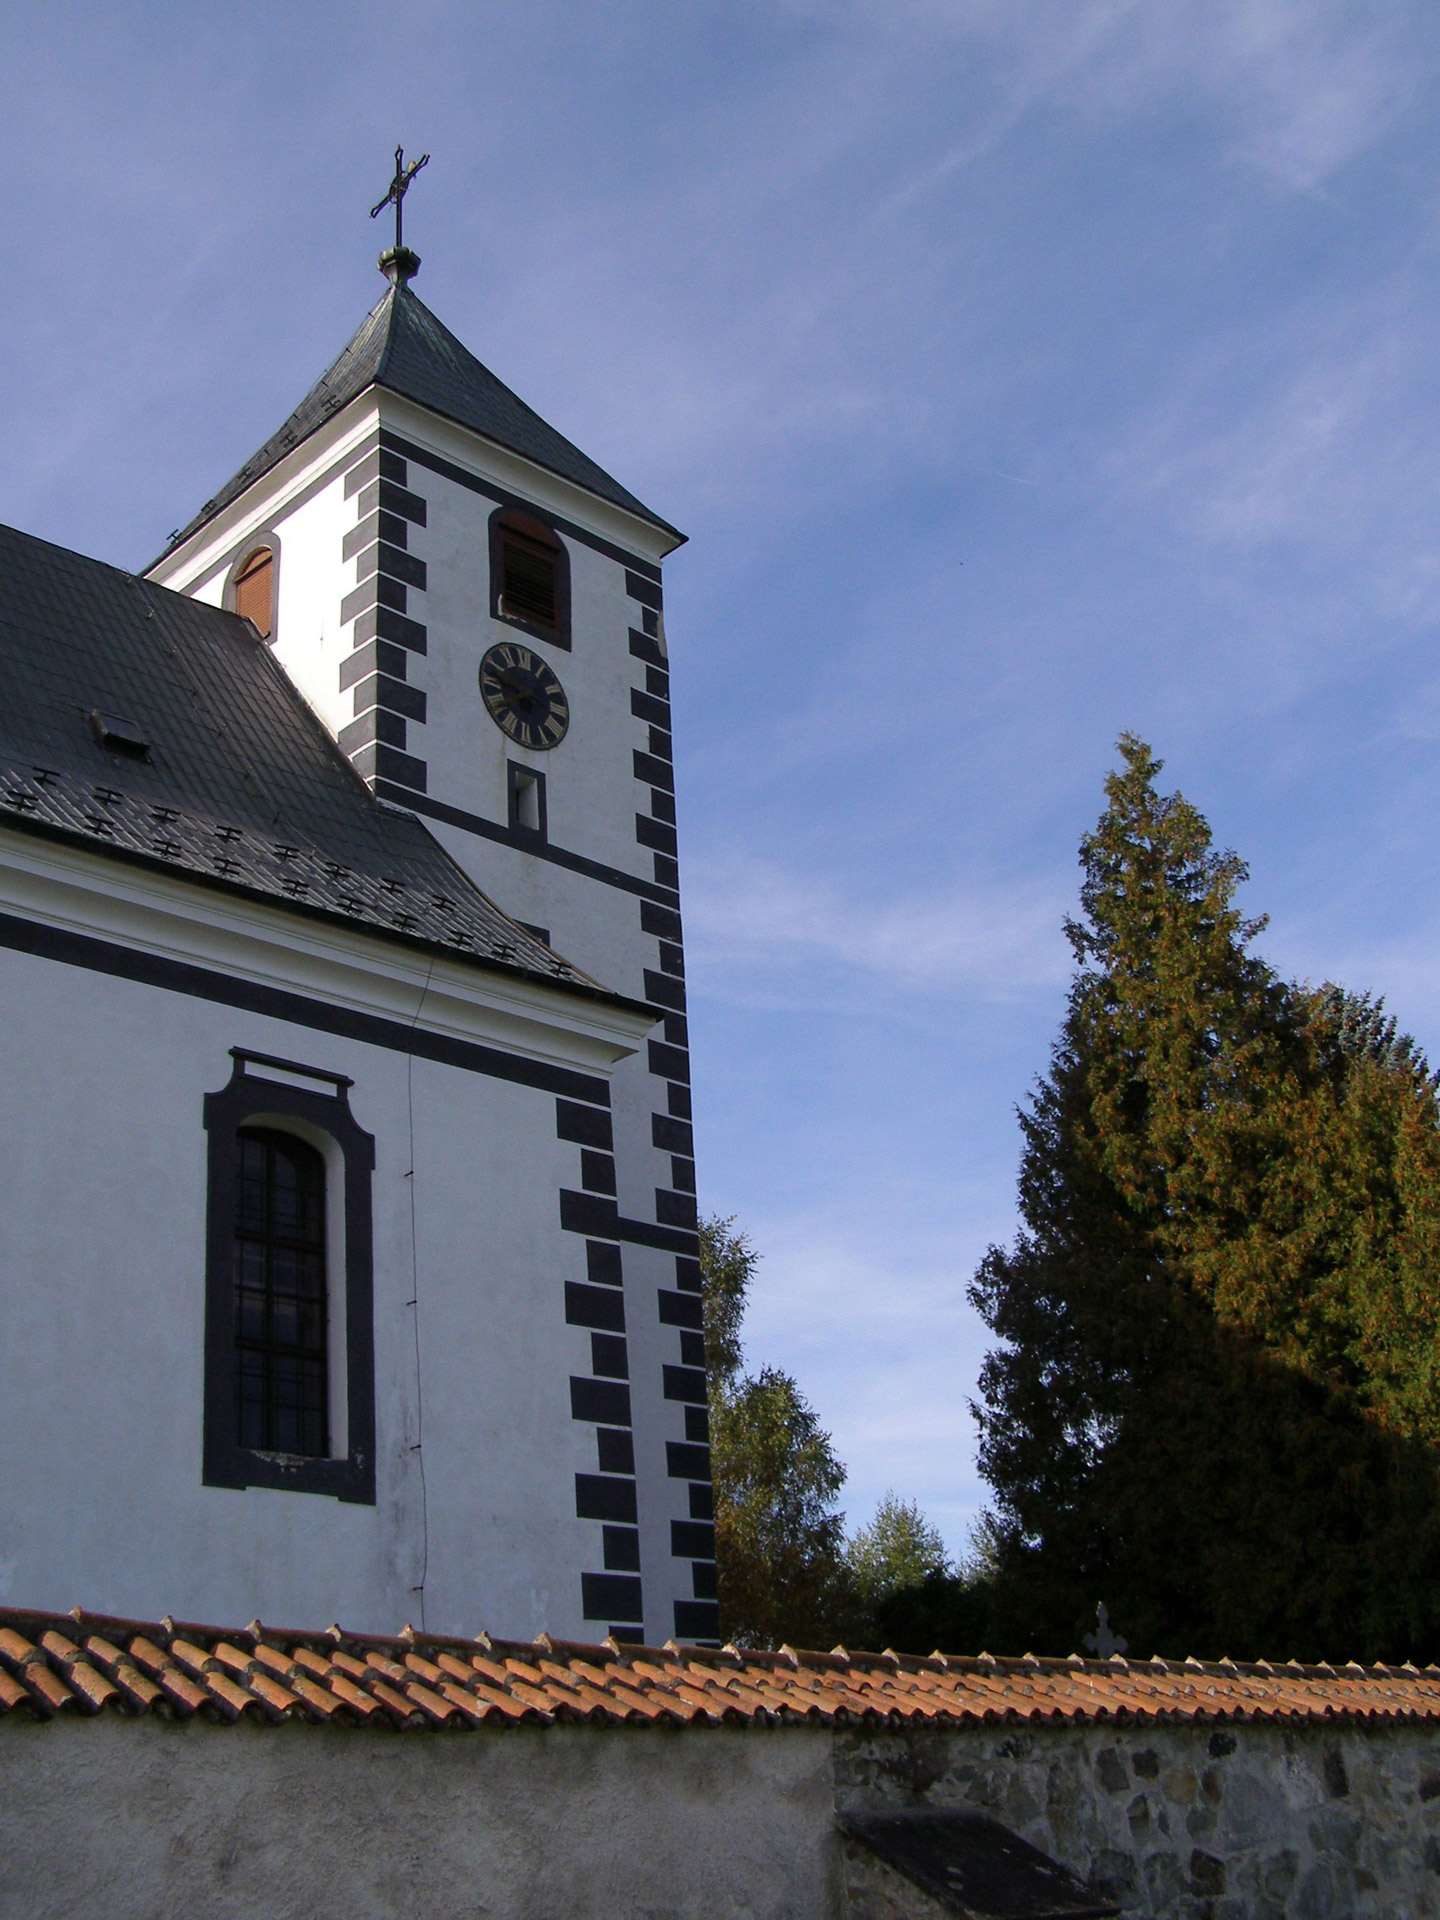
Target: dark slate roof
<point x="243" y="789"/>
<point x="402" y="346"/>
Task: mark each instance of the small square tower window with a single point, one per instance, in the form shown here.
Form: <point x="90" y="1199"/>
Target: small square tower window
<point x="527" y="799"/>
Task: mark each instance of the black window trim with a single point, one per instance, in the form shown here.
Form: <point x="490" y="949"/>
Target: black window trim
<point x="250" y="1097"/>
<point x="559" y="634"/>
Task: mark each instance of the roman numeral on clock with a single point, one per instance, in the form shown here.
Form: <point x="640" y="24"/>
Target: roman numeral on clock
<point x="523" y="696"/>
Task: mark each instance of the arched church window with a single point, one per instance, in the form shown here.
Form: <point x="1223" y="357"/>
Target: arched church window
<point x="281" y="1355"/>
<point x="289" y="1286"/>
<point x="255" y="590"/>
<point x="530" y="576"/>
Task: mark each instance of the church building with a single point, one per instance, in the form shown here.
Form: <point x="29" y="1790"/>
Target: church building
<point x="349" y="1257"/>
<point x="357" y="1547"/>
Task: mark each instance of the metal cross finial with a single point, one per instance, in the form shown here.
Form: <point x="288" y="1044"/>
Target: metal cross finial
<point x="399" y="187"/>
<point x="1103" y="1643"/>
<point x="398" y="263"/>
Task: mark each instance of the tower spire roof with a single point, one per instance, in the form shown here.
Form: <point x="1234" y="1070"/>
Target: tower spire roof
<point x="402" y="348"/>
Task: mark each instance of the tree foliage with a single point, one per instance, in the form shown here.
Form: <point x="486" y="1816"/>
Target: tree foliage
<point x="727" y="1267"/>
<point x="907" y="1595"/>
<point x="898" y="1550"/>
<point x="787" y="1573"/>
<point x="778" y="1532"/>
<point x="1216" y="1401"/>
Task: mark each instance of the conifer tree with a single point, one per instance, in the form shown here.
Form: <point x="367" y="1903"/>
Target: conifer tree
<point x="1216" y="1405"/>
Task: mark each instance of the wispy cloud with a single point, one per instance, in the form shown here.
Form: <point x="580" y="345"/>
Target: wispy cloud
<point x="884" y="1346"/>
<point x="751" y="923"/>
<point x="1301" y="89"/>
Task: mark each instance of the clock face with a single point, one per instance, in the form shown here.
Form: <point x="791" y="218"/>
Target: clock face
<point x="523" y="696"/>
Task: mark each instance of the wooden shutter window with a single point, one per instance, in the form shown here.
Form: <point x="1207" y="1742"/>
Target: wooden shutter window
<point x="254" y="589"/>
<point x="528" y="567"/>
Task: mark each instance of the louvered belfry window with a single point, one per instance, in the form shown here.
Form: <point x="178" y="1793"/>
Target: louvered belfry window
<point x="254" y="588"/>
<point x="281" y="1361"/>
<point x="528" y="566"/>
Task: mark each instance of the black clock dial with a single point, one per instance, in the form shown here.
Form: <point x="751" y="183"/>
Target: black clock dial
<point x="523" y="697"/>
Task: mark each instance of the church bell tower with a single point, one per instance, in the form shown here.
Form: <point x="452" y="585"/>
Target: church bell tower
<point x="473" y="609"/>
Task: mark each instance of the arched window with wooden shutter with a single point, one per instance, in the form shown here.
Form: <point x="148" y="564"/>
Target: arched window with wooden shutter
<point x="255" y="590"/>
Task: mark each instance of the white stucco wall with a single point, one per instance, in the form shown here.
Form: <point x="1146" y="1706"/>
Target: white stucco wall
<point x="103" y="1159"/>
<point x="592" y="793"/>
<point x="161" y="1820"/>
<point x="302" y="1823"/>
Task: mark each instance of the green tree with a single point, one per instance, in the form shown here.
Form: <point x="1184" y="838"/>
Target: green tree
<point x="779" y="1535"/>
<point x="727" y="1268"/>
<point x="897" y="1550"/>
<point x="950" y="1609"/>
<point x="906" y="1593"/>
<point x="1216" y="1402"/>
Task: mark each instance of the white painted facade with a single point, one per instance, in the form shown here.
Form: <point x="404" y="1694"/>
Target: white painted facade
<point x="102" y="1082"/>
<point x="303" y="510"/>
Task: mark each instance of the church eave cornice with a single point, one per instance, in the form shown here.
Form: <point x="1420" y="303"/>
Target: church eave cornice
<point x="572" y="988"/>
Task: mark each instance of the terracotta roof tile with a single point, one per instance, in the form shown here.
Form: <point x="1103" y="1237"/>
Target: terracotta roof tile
<point x="141" y="1693"/>
<point x="403" y="1711"/>
<point x="426" y="1669"/>
<point x="27" y="1663"/>
<point x="507" y="1706"/>
<point x="93" y="1688"/>
<point x="543" y="1702"/>
<point x="343" y="1663"/>
<point x="430" y="1702"/>
<point x="52" y="1663"/>
<point x="358" y="1702"/>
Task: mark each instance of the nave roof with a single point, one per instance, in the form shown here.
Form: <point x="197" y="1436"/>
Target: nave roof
<point x="239" y="785"/>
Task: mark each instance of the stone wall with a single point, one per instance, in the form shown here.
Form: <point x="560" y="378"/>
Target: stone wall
<point x="1246" y="1822"/>
<point x="151" y="1818"/>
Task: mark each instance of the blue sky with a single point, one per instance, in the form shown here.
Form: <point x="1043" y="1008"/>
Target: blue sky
<point x="1022" y="370"/>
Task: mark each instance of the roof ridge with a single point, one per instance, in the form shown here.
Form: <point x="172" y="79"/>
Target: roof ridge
<point x="393" y="295"/>
<point x="81" y="1661"/>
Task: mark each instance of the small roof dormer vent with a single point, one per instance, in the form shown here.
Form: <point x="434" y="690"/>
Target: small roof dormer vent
<point x="118" y="735"/>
